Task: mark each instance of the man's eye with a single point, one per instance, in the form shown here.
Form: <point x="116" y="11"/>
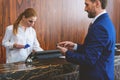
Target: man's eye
<point x="31" y="21"/>
<point x="86" y="4"/>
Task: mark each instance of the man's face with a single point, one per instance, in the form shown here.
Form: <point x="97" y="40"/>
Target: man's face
<point x="90" y="8"/>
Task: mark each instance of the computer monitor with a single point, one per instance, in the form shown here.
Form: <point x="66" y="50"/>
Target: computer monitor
<point x="47" y="54"/>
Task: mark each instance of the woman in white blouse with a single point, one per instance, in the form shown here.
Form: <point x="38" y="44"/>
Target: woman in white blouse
<point x="20" y="38"/>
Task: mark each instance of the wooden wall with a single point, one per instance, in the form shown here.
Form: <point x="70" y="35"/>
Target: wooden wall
<point x="116" y="18"/>
<point x="58" y="20"/>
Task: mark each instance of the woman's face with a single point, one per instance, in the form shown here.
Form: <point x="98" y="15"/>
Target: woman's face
<point x="29" y="22"/>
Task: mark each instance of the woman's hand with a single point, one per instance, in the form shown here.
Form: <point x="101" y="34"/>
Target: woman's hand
<point x="18" y="46"/>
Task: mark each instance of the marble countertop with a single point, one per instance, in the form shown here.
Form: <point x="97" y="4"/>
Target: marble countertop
<point x="21" y="66"/>
<point x="43" y="69"/>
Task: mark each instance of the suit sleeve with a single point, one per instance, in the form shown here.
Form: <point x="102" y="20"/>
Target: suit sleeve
<point x="92" y="49"/>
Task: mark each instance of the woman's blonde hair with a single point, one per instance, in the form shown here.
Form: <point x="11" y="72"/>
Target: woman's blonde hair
<point x="29" y="12"/>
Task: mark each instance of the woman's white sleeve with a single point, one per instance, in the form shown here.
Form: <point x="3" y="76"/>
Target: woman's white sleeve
<point x="36" y="45"/>
<point x="6" y="42"/>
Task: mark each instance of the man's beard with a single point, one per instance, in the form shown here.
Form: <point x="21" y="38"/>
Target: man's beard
<point x="92" y="14"/>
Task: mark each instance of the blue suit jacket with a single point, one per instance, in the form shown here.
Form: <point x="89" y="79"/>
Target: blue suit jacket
<point x="96" y="55"/>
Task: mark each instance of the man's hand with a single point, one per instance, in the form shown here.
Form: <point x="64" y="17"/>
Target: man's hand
<point x="67" y="44"/>
<point x="62" y="49"/>
<point x="64" y="46"/>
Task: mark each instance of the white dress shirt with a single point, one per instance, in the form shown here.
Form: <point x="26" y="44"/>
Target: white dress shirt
<point x="98" y="16"/>
<point x="23" y="37"/>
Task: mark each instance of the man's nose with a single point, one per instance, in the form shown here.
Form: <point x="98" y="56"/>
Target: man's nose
<point x="85" y="9"/>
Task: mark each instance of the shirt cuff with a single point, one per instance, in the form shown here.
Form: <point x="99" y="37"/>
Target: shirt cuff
<point x="75" y="47"/>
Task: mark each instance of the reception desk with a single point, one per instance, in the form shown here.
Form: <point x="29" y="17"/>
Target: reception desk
<point x="50" y="68"/>
<point x="117" y="62"/>
<point x="40" y="69"/>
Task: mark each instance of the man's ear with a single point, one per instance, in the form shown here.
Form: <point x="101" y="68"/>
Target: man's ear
<point x="98" y="3"/>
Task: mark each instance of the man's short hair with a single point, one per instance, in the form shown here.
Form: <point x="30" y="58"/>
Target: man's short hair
<point x="103" y="3"/>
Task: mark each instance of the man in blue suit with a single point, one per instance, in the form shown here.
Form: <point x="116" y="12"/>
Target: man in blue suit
<point x="96" y="55"/>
